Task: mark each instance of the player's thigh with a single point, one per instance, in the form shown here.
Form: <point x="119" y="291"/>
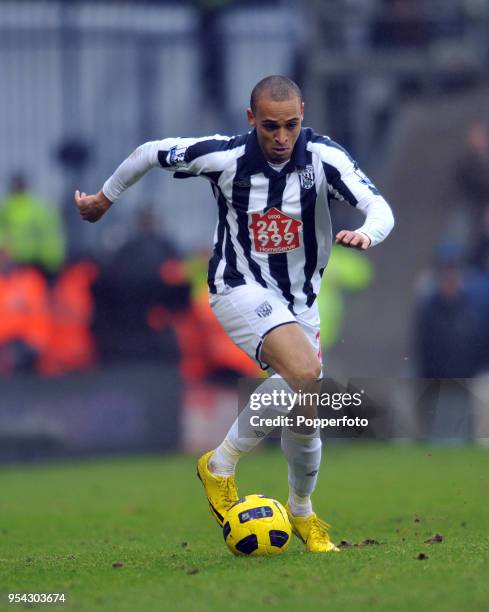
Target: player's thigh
<point x="289" y="352"/>
<point x="248" y="313"/>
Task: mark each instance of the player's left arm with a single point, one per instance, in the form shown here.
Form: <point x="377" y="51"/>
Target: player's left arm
<point x="348" y="183"/>
<point x="379" y="220"/>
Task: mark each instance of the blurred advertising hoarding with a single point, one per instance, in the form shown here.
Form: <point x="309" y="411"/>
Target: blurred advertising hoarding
<point x="116" y="409"/>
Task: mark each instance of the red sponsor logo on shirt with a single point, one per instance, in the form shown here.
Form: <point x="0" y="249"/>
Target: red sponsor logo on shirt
<point x="275" y="232"/>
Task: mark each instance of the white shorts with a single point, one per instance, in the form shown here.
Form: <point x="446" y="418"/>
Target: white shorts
<point x="249" y="312"/>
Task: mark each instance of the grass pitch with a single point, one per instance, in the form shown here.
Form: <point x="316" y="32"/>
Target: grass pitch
<point x="136" y="534"/>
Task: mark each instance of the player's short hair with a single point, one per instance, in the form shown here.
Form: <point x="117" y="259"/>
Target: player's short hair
<point x="278" y="87"/>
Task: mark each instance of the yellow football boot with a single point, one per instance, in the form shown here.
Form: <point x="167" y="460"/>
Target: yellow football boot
<point x="312" y="531"/>
<point x="221" y="491"/>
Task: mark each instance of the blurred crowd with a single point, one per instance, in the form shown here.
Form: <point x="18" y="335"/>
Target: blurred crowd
<point x="452" y="326"/>
<point x="144" y="302"/>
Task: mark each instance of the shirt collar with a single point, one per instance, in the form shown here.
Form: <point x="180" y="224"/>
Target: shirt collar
<point x="256" y="161"/>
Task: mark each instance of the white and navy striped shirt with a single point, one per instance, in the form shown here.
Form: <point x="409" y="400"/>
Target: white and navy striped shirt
<point x="273" y="228"/>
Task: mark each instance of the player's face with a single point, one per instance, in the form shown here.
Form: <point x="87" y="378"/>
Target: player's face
<point x="278" y="125"/>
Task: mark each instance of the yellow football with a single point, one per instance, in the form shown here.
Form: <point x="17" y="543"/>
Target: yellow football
<point x="257" y="525"/>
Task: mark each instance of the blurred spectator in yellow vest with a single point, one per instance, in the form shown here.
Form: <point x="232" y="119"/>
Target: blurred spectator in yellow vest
<point x="347" y="271"/>
<point x="30" y="229"/>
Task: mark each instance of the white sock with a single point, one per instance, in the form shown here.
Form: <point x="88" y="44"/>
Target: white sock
<point x="303" y="453"/>
<point x="224" y="459"/>
<point x="300" y="506"/>
<point x="243" y="436"/>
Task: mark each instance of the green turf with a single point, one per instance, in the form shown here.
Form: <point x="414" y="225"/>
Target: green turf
<point x="63" y="526"/>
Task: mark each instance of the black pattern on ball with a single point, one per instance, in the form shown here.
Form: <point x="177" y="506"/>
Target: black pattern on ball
<point x="278" y="537"/>
<point x="226" y="530"/>
<point x="247" y="545"/>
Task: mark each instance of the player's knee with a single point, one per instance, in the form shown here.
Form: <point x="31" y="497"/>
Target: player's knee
<point x="304" y="371"/>
<point x="310" y="371"/>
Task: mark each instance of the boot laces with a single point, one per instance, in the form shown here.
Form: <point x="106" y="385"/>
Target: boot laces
<point x="319" y="528"/>
<point x="228" y="490"/>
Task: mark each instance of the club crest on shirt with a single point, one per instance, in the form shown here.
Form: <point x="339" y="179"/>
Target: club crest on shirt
<point x="306" y="177"/>
<point x="176" y="156"/>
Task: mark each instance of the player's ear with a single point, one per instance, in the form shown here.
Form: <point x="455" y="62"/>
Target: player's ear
<point x="302" y="110"/>
<point x="251" y="117"/>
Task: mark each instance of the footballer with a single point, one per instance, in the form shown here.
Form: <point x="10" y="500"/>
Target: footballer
<point x="272" y="242"/>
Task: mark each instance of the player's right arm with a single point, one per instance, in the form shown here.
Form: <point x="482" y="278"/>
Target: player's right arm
<point x="191" y="156"/>
<point x="92" y="207"/>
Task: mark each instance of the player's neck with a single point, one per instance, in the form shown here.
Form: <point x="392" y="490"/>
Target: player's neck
<point x="278" y="167"/>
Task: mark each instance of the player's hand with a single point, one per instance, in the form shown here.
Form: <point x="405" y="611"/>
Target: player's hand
<point x="92" y="207"/>
<point x="353" y="240"/>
